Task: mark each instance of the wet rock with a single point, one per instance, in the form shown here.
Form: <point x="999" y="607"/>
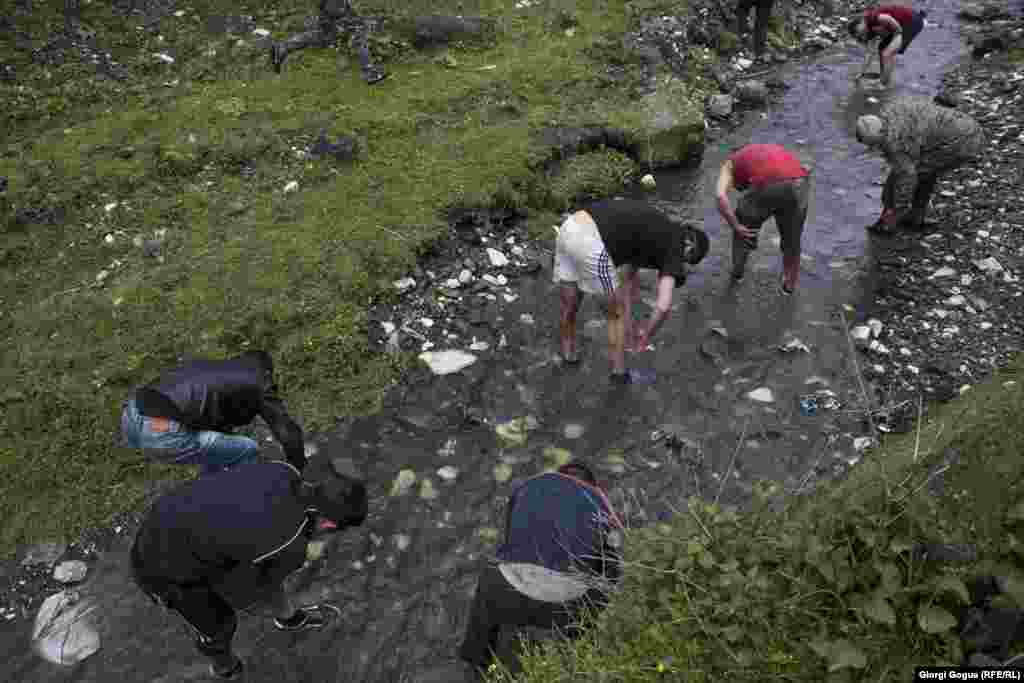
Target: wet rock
<point x="752" y="92"/>
<point x="72" y="571"/>
<point x="981" y="11"/>
<point x="447" y="362"/>
<point x="448" y="473"/>
<point x="43" y="554"/>
<point x="720" y="106"/>
<point x="762" y="395"/>
<point x="344" y="150"/>
<point x="63" y="632"/>
<point x="649" y="182"/>
<point x="946" y="553"/>
<point x="405" y="284"/>
<point x="437" y="30"/>
<point x="573" y="431"/>
<point x="497" y="258"/>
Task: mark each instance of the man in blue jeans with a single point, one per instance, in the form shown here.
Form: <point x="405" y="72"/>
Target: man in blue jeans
<point x="226" y="542"/>
<point x="561" y="555"/>
<point x="187" y="415"/>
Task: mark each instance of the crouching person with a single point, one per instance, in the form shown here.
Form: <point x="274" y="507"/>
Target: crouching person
<point x="187" y="416"/>
<point x="228" y="541"/>
<point x="561" y="555"/>
<point x="922" y="141"/>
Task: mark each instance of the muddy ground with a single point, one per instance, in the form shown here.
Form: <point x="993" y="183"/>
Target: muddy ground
<point x="440" y="473"/>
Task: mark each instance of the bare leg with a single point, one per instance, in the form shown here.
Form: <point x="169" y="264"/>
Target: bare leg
<point x="631" y="289"/>
<point x="571" y="297"/>
<point x="790" y="271"/>
<point x="617" y="333"/>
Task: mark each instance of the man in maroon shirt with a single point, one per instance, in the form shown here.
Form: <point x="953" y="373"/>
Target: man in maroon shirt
<point x="778" y="186"/>
<point x="896" y="25"/>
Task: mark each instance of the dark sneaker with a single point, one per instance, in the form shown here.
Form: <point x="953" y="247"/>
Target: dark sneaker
<point x="277" y="56"/>
<point x="313" y="617"/>
<point x="784" y="290"/>
<point x="374" y="75"/>
<point x="232" y="674"/>
<point x="571" y="359"/>
<point x="620" y="378"/>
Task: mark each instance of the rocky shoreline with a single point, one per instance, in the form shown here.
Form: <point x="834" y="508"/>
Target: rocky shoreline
<point x="948" y="300"/>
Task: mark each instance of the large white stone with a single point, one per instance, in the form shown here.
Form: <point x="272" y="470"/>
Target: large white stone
<point x="498" y="259"/>
<point x="63" y="631"/>
<point x="72" y="571"/>
<point x="762" y="395"/>
<point x="447" y="362"/>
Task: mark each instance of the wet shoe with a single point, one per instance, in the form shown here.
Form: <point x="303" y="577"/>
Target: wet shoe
<point x="784" y="290"/>
<point x="620" y="378"/>
<point x="307" y="618"/>
<point x="374" y="75"/>
<point x="277" y="56"/>
<point x="233" y="674"/>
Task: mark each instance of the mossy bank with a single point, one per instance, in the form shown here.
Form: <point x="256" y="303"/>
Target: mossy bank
<point x="175" y="211"/>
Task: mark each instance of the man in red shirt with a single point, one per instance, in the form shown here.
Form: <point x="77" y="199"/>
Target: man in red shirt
<point x="778" y="186"/>
<point x="896" y="25"/>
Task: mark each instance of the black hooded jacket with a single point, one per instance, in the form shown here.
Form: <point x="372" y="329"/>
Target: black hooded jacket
<point x="239" y="531"/>
<point x="220" y="395"/>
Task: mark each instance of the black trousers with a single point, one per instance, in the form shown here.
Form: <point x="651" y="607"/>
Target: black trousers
<point x="212" y="620"/>
<point x="764" y="13"/>
<point x="497" y="603"/>
<point x="922" y="195"/>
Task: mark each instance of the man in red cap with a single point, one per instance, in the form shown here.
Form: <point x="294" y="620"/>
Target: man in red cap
<point x="896" y="25"/>
<point x="778" y="187"/>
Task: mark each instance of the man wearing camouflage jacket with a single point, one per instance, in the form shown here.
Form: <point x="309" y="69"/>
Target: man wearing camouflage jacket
<point x="921" y="140"/>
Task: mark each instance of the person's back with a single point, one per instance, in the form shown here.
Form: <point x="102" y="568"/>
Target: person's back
<point x="208" y="394"/>
<point x="917" y="127"/>
<point x="757" y="165"/>
<point x="557" y="522"/>
<point x="205" y="527"/>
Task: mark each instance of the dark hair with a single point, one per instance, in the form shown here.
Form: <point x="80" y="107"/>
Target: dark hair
<point x="578" y="470"/>
<point x="695" y="244"/>
<point x="335" y="490"/>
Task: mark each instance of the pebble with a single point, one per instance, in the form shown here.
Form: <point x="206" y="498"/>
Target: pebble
<point x="404" y="284"/>
<point x="861" y="333"/>
<point x="448" y="473"/>
<point x="292" y="186"/>
<point x="526" y="319"/>
<point x="499" y="281"/>
<point x="648" y="181"/>
<point x="164" y="57"/>
<point x="465" y="277"/>
<point x="402" y="541"/>
<point x="446" y="362"/>
<point x="261" y="32"/>
<point x="448" y="449"/>
<point x="72" y="571"/>
<point x="573" y="431"/>
<point x="945" y="271"/>
<point x="762" y="395"/>
<point x="498" y="259"/>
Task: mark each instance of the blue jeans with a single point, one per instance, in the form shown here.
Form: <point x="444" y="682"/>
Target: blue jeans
<point x="213" y="451"/>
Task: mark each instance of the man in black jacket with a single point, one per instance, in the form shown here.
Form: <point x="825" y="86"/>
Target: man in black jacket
<point x="227" y="542"/>
<point x="562" y="553"/>
<point x="185" y="417"/>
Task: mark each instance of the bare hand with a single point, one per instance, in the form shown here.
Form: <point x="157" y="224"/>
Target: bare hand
<point x="744" y="232"/>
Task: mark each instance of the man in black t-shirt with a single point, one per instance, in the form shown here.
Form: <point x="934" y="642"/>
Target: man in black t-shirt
<point x="596" y="242"/>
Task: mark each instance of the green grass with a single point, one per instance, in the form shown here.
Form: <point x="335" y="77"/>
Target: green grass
<point x="246" y="265"/>
<point x="825" y="589"/>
